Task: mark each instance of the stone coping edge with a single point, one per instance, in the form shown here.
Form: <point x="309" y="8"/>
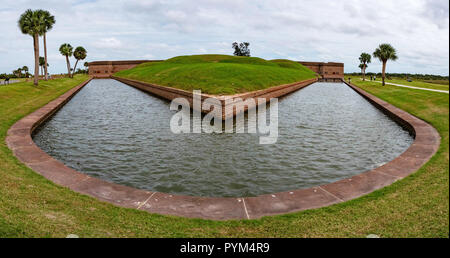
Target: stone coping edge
<point x="426" y="143"/>
<point x="231" y="104"/>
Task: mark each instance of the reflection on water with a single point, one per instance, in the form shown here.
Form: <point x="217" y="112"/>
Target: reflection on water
<point x="326" y="131"/>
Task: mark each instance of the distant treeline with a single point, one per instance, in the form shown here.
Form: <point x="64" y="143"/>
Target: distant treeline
<point x="27" y="75"/>
<point x="406" y="75"/>
<point x="5" y="76"/>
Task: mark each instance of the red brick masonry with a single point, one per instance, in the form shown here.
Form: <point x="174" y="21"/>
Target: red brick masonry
<point x="330" y="71"/>
<point x="426" y="143"/>
<point x="103" y="69"/>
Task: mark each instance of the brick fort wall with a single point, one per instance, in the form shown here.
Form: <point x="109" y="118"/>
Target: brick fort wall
<point x="330" y="71"/>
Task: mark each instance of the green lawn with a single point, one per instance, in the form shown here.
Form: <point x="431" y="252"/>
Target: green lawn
<point x="414" y="83"/>
<point x="219" y="74"/>
<point x="31" y="206"/>
<point x="442" y="82"/>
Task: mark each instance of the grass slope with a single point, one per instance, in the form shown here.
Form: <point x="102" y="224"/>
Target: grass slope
<point x="219" y="74"/>
<point x="31" y="206"/>
<point x="420" y="84"/>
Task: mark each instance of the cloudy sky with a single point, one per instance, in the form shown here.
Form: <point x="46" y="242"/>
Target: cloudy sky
<point x="309" y="30"/>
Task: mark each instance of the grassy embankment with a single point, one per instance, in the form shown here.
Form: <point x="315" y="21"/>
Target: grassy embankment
<point x="219" y="74"/>
<point x="31" y="206"/>
<point x="439" y="85"/>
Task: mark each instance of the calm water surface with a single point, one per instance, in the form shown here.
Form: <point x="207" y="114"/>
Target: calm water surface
<point x="327" y="132"/>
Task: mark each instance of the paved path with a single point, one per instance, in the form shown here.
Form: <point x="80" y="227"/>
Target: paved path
<point x="2" y="82"/>
<point x="412" y="87"/>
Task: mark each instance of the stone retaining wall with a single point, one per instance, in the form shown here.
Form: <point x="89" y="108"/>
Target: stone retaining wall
<point x="228" y="110"/>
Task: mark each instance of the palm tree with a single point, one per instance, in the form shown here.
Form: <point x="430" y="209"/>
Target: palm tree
<point x="18" y="72"/>
<point x="41" y="64"/>
<point x="385" y="52"/>
<point x="31" y="23"/>
<point x="361" y="66"/>
<point x="25" y="69"/>
<point x="365" y="59"/>
<point x="49" y="20"/>
<point x="66" y="50"/>
<point x="80" y="54"/>
<point x="86" y="66"/>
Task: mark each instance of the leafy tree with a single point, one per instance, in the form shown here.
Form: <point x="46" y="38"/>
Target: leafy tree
<point x="365" y="59"/>
<point x="66" y="50"/>
<point x="241" y="49"/>
<point x="31" y="23"/>
<point x="80" y="54"/>
<point x="81" y="71"/>
<point x="385" y="52"/>
<point x="49" y="21"/>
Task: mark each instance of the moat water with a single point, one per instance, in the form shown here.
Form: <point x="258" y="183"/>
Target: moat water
<point x="327" y="132"/>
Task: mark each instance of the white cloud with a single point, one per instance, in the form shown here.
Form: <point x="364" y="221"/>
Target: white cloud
<point x="108" y="43"/>
<point x="148" y="56"/>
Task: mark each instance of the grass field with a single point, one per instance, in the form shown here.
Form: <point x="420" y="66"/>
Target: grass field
<point x="420" y="84"/>
<point x="219" y="74"/>
<point x="31" y="206"/>
<point x="442" y="82"/>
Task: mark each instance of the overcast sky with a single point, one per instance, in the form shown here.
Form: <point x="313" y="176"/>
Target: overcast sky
<point x="315" y="30"/>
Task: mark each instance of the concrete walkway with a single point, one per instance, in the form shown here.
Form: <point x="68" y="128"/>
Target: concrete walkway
<point x="2" y="82"/>
<point x="412" y="87"/>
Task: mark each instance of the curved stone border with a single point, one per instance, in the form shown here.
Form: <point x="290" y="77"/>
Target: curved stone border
<point x="426" y="143"/>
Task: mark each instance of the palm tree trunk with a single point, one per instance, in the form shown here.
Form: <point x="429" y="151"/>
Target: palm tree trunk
<point x="364" y="72"/>
<point x="36" y="58"/>
<point x="68" y="65"/>
<point x="75" y="67"/>
<point x="45" y="56"/>
<point x="383" y="72"/>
